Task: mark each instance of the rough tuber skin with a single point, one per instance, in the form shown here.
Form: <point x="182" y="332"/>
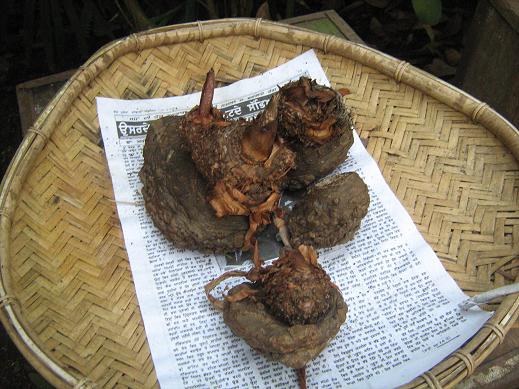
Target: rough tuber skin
<point x="317" y="126"/>
<point x="245" y="163"/>
<point x="294" y="346"/>
<point x="330" y="212"/>
<point x="175" y="195"/>
<point x="289" y="311"/>
<point x="296" y="291"/>
<point x="304" y="133"/>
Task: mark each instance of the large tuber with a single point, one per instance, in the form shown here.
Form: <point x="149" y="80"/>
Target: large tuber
<point x="245" y="163"/>
<point x="241" y="168"/>
<point x="175" y="195"/>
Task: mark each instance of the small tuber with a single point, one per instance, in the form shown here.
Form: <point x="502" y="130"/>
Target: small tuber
<point x="288" y="311"/>
<point x="330" y="212"/>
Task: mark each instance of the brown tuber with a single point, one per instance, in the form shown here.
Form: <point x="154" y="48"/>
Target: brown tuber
<point x="289" y="311"/>
<point x="330" y="211"/>
<point x="245" y="163"/>
<point x="175" y="195"/>
<point x="210" y="183"/>
<point x="317" y="126"/>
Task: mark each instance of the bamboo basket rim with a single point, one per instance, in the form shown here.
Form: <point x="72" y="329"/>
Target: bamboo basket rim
<point x="455" y="367"/>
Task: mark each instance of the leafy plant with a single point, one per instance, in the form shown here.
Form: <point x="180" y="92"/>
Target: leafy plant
<point x="428" y="11"/>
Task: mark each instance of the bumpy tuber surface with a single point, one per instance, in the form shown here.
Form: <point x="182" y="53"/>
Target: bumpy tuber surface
<point x="330" y="212"/>
<point x="245" y="163"/>
<point x="296" y="289"/>
<point x="289" y="311"/>
<point x="317" y="127"/>
<point x="304" y="133"/>
<point x="175" y="195"/>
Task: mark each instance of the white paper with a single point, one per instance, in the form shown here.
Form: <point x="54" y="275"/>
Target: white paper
<point x="403" y="314"/>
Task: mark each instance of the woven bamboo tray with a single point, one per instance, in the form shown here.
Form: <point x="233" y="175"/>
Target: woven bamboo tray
<point x="67" y="296"/>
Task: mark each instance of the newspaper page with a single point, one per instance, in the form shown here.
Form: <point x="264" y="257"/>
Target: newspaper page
<point x="403" y="306"/>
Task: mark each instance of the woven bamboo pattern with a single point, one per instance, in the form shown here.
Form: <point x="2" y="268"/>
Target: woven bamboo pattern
<point x="68" y="298"/>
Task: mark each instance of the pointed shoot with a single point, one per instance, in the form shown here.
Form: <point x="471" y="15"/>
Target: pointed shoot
<point x="206" y="99"/>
